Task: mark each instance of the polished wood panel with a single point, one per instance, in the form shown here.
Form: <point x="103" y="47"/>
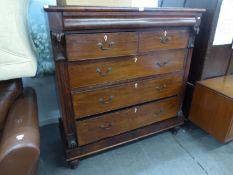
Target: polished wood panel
<point x="124" y="68"/>
<point x="115" y="97"/>
<point x="212" y="110"/>
<point x="163" y="39"/>
<point x="90" y="46"/>
<point x="115" y="123"/>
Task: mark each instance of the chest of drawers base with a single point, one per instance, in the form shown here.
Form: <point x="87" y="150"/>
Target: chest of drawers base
<point x="111" y="142"/>
<point x="121" y="73"/>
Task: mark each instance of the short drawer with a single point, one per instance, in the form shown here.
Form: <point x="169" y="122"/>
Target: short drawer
<point x="115" y="123"/>
<point x="127" y="94"/>
<point x="164" y="39"/>
<point x="91" y="46"/>
<point x="124" y="68"/>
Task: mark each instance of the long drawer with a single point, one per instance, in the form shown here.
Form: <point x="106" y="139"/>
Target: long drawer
<point x="163" y="39"/>
<point x="100" y="45"/>
<point x="123" y="68"/>
<point x="115" y="123"/>
<point x="115" y="97"/>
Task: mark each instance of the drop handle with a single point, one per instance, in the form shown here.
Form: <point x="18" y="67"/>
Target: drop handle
<point x="161" y="87"/>
<point x="161" y="111"/>
<point x="105" y="45"/>
<point x="106" y="126"/>
<point x="164" y="39"/>
<point x="162" y="64"/>
<point x="106" y="101"/>
<point x="101" y="73"/>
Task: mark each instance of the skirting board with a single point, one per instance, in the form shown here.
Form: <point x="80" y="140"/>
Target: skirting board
<point x="48" y="121"/>
<point x="49" y="118"/>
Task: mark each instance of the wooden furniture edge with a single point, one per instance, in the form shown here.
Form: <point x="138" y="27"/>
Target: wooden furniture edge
<point x="52" y="8"/>
<point x="214" y="90"/>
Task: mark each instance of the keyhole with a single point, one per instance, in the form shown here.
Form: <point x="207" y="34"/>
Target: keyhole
<point x="105" y="38"/>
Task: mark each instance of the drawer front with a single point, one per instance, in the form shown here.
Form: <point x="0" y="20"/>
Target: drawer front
<point x="90" y="46"/>
<point x="115" y="123"/>
<point x="123" y="68"/>
<point x="164" y="39"/>
<point x="116" y="97"/>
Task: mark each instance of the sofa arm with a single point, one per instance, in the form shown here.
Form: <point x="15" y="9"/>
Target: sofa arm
<point x="19" y="146"/>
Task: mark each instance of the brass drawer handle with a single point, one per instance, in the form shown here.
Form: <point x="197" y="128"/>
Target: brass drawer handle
<point x="165" y="39"/>
<point x="161" y="87"/>
<point x="102" y="101"/>
<point x="157" y="113"/>
<point x="98" y="70"/>
<point x="162" y="64"/>
<point x="105" y="45"/>
<point x="106" y="126"/>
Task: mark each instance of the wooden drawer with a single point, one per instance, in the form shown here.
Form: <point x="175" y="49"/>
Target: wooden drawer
<point x="164" y="39"/>
<point x="115" y="123"/>
<point x="123" y="68"/>
<point x="91" y="46"/>
<point x="115" y="97"/>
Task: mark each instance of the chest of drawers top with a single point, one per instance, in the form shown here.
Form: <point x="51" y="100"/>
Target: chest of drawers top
<point x="119" y="31"/>
<point x="72" y="18"/>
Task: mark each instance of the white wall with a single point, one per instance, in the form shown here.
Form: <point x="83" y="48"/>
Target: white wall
<point x="46" y="98"/>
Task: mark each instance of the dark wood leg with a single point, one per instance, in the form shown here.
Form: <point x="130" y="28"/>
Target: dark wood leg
<point x="74" y="164"/>
<point x="71" y="140"/>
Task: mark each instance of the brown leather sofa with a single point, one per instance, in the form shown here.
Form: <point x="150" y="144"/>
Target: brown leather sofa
<point x="19" y="131"/>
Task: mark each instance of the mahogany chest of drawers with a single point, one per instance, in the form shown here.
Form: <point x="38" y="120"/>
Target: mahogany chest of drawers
<point x="121" y="72"/>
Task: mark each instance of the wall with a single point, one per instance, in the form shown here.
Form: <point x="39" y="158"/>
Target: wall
<point x="39" y="31"/>
<point x="43" y="84"/>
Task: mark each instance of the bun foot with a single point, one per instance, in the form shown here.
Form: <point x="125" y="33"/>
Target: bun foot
<point x="74" y="164"/>
<point x="175" y="130"/>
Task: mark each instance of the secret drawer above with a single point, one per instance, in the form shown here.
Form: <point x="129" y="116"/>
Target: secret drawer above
<point x="100" y="45"/>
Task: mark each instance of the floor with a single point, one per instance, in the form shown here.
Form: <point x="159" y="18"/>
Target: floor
<point x="190" y="152"/>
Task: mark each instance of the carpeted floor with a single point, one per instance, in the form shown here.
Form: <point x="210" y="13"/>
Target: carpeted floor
<point x="190" y="152"/>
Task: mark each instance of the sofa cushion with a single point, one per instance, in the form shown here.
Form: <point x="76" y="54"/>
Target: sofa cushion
<point x="15" y="66"/>
<point x="17" y="58"/>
